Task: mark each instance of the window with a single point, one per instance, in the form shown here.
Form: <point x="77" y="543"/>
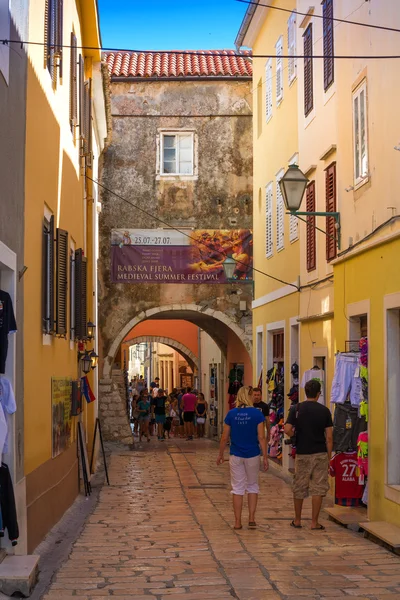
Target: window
<point x="311" y="248"/>
<point x="279" y="70"/>
<point x="48" y="275"/>
<point x="61" y="281"/>
<point x="330" y="197"/>
<point x="278" y="346"/>
<point x="85" y="112"/>
<point x="53" y="37"/>
<point x="393" y="391"/>
<point x="177" y="154"/>
<point x="308" y="71"/>
<point x="80" y="295"/>
<point x="292" y="46"/>
<point x="280" y="214"/>
<point x="268" y="89"/>
<point x="327" y="13"/>
<point x="269" y="242"/>
<point x="73" y="84"/>
<point x="259" y="108"/>
<point x="5" y="20"/>
<point x="360" y="133"/>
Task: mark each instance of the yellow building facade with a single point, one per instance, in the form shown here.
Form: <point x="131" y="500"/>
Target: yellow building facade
<point x="65" y="132"/>
<point x="276" y="234"/>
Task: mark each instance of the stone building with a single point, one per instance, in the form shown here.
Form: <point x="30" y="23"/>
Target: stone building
<point x="180" y="156"/>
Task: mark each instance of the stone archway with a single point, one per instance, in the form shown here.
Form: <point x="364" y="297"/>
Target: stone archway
<point x="193" y="312"/>
<point x="187" y="354"/>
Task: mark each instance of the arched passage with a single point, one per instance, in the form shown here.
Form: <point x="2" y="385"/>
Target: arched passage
<point x="216" y="323"/>
<point x="187" y="354"/>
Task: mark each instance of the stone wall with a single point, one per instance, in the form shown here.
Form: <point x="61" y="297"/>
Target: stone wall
<point x="112" y="409"/>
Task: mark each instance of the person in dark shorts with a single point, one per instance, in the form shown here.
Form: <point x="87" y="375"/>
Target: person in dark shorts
<point x="264" y="407"/>
<point x="159" y="412"/>
<point x="189" y="402"/>
<point x="312" y="424"/>
<point x="201" y="415"/>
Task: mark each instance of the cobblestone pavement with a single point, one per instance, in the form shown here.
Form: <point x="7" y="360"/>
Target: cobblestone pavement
<point x="163" y="531"/>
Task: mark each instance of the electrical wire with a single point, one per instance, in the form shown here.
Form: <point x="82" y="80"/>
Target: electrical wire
<point x="222" y="54"/>
<point x="222" y="254"/>
<point x="307" y="14"/>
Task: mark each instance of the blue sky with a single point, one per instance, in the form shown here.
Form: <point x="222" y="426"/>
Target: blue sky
<point x="170" y="24"/>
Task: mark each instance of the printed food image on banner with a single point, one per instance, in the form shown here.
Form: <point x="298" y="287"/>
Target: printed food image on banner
<point x="169" y="256"/>
<point x="61" y="398"/>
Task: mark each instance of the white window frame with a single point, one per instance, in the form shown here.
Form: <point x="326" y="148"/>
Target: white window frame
<point x="292" y="48"/>
<point x="269" y="230"/>
<point x="279" y="70"/>
<point x="268" y="90"/>
<point x="293" y="220"/>
<point x="363" y="175"/>
<point x="178" y="134"/>
<point x="280" y="214"/>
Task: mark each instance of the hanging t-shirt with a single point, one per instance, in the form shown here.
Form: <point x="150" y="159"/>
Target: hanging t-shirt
<point x="343" y="467"/>
<point x="244" y="437"/>
<point x="7" y="325"/>
<point x="8" y="407"/>
<point x="317" y="374"/>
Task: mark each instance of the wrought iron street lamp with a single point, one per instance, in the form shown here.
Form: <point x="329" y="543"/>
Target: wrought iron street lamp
<point x="293" y="185"/>
<point x="91" y="328"/>
<point x="86" y="363"/>
<point x="229" y="265"/>
<point x="94" y="358"/>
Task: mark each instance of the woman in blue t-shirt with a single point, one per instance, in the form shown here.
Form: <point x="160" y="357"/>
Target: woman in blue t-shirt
<point x="245" y="426"/>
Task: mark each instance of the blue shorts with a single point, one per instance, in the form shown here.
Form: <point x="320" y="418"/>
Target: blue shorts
<point x="161" y="419"/>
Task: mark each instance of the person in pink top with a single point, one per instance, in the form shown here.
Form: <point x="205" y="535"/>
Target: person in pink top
<point x="189" y="402"/>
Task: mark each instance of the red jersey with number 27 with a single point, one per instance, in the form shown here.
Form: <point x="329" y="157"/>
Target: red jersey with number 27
<point x="343" y="467"/>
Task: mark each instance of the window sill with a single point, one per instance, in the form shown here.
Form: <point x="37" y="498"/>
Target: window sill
<point x="279" y="102"/>
<point x="47" y="339"/>
<point x="268" y="119"/>
<point x="360" y="184"/>
<point x="294" y="240"/>
<point x="268" y="256"/>
<point x="176" y="177"/>
<point x="280" y="249"/>
<point x="309" y="118"/>
<point x="329" y="92"/>
<point x="291" y="82"/>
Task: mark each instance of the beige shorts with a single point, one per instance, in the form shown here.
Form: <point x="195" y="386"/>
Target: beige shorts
<point x="311" y="475"/>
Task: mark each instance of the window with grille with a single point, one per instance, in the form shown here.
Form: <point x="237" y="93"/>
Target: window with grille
<point x="177" y="153"/>
<point x="48" y="269"/>
<point x="330" y="197"/>
<point x="53" y="37"/>
<point x="73" y="84"/>
<point x="292" y="46"/>
<point x="268" y="90"/>
<point x="360" y="133"/>
<point x="269" y="242"/>
<point x="279" y="70"/>
<point x="280" y="214"/>
<point x="311" y="248"/>
<point x="327" y="13"/>
<point x="308" y="71"/>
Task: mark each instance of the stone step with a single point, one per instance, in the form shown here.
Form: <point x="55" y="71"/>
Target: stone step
<point x="347" y="515"/>
<point x="388" y="533"/>
<point x="19" y="574"/>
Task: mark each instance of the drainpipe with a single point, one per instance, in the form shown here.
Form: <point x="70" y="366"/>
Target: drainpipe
<point x="199" y="352"/>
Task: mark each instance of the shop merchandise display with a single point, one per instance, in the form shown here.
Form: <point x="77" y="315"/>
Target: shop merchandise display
<point x="346" y="380"/>
<point x="8" y="516"/>
<point x="348" y="490"/>
<point x="317" y="374"/>
<point x="235" y="378"/>
<point x="7" y="325"/>
<point x="362" y="456"/>
<point x="7" y="407"/>
<point x="275" y="386"/>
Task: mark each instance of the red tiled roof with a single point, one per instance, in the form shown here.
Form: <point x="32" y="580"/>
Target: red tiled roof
<point x="196" y="63"/>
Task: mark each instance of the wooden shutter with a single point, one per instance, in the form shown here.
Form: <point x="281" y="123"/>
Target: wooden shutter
<point x="73" y="83"/>
<point x="311" y="248"/>
<point x="268" y="90"/>
<point x="46" y="36"/>
<point x="292" y="63"/>
<point x="80" y="295"/>
<point x="280" y="231"/>
<point x="50" y="32"/>
<point x="279" y="70"/>
<point x="308" y="71"/>
<point x="87" y="136"/>
<point x="81" y="96"/>
<point x="59" y="35"/>
<point x="61" y="281"/>
<point x="48" y="276"/>
<point x="330" y="195"/>
<point x="268" y="222"/>
<point x="327" y="11"/>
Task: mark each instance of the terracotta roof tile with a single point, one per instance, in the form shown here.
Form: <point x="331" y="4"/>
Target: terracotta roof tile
<point x="196" y="63"/>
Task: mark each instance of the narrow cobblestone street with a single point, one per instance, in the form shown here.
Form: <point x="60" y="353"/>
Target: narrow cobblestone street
<point x="163" y="529"/>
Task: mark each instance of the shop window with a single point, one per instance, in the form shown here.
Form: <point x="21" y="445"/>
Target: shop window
<point x="308" y="71"/>
<point x="48" y="275"/>
<point x="393" y="395"/>
<point x="327" y="12"/>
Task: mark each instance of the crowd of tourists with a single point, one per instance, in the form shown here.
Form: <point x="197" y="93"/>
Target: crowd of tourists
<point x="181" y="413"/>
